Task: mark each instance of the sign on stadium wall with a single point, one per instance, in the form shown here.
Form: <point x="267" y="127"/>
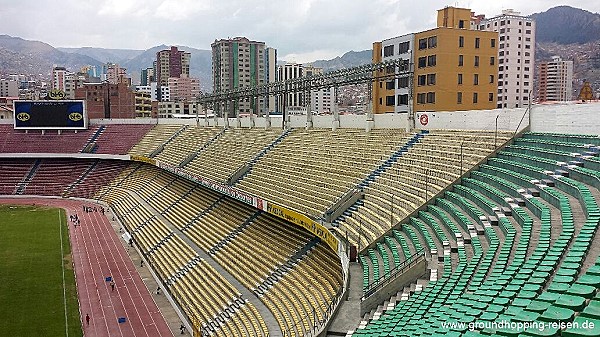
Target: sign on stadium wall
<point x="294" y="217"/>
<point x="303" y="221"/>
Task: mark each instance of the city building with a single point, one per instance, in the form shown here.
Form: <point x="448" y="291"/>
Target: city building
<point x="171" y="63"/>
<point x="114" y="74"/>
<point x="9" y="88"/>
<point x="67" y="82"/>
<point x="183" y="89"/>
<point x="271" y="101"/>
<point x="291" y="71"/>
<point x="452" y="67"/>
<point x="516" y="57"/>
<point x="555" y="80"/>
<point x="107" y="100"/>
<point x="59" y="78"/>
<point x="393" y="95"/>
<point x="6" y="107"/>
<point x="177" y="110"/>
<point x="143" y="104"/>
<point x="240" y="62"/>
<point x="146" y="76"/>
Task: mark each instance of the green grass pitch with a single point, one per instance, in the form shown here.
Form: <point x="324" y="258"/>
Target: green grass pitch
<point x="32" y="296"/>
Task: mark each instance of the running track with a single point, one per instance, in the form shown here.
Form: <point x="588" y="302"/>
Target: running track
<point x="98" y="252"/>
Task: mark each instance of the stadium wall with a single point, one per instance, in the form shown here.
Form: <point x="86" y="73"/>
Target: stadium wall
<point x="508" y="120"/>
<point x="571" y="118"/>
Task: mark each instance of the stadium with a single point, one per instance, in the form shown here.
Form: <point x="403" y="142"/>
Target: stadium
<point x="469" y="223"/>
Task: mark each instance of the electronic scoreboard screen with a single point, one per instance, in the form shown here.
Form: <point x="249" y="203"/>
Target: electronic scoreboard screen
<point x="61" y="115"/>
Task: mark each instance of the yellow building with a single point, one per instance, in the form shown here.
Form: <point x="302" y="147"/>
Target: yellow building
<point x="455" y="67"/>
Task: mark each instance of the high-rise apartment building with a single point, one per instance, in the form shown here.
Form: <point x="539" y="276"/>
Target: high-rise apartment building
<point x="9" y="88"/>
<point x="271" y="76"/>
<point x="516" y="57"/>
<point x="393" y="95"/>
<point x="240" y="62"/>
<point x="555" y="80"/>
<point x="115" y="74"/>
<point x="184" y="89"/>
<point x="291" y="71"/>
<point x="171" y="63"/>
<point x="146" y="76"/>
<point x="59" y="77"/>
<point x="449" y="68"/>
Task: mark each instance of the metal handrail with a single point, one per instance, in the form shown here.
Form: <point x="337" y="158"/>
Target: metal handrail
<point x="381" y="281"/>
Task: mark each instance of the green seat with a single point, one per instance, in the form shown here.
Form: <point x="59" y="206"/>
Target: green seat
<point x="582" y="290"/>
<point x="590" y="279"/>
<point x="592" y="310"/>
<point x="538" y="306"/>
<point x="576" y="303"/>
<point x="557" y="314"/>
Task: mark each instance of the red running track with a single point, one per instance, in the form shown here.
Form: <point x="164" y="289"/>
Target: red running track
<point x="98" y="252"/>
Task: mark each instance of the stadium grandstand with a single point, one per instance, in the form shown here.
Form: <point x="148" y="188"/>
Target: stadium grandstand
<point x="367" y="228"/>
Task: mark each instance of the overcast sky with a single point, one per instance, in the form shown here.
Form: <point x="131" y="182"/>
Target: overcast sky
<point x="301" y="30"/>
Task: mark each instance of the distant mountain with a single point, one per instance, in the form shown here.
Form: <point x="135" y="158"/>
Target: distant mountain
<point x="104" y="55"/>
<point x="33" y="57"/>
<point x="567" y="25"/>
<point x="348" y="60"/>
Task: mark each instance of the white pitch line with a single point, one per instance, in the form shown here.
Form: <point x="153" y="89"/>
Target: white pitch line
<point x="62" y="264"/>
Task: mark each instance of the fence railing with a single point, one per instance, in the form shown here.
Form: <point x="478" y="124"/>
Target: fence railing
<point x="399" y="269"/>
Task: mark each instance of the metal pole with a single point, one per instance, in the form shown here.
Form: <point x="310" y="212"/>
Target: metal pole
<point x="496" y="134"/>
<point x="461" y="157"/>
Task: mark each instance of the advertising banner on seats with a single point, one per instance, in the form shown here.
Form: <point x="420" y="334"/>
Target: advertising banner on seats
<point x="294" y="217"/>
<point x="221" y="188"/>
<point x="304" y="221"/>
<point x="143" y="159"/>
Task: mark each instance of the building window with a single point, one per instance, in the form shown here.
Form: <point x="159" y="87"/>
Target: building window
<point x="403" y="99"/>
<point x="389" y="85"/>
<point x="527" y="24"/>
<point x="403" y="47"/>
<point x="421" y="98"/>
<point x="431" y="97"/>
<point x="461" y="23"/>
<point x="461" y="41"/>
<point x="475" y="79"/>
<point x="474" y="97"/>
<point x="388" y="51"/>
<point x="493" y="43"/>
<point x="421" y="80"/>
<point x="389" y="101"/>
<point x="477" y="61"/>
<point x="422" y="44"/>
<point x="459" y="98"/>
<point x="422" y="62"/>
<point x="477" y="42"/>
<point x="528" y="31"/>
<point x="491" y="97"/>
<point x="403" y="82"/>
<point x="491" y="78"/>
<point x="460" y="60"/>
<point x="459" y="78"/>
<point x="432" y="42"/>
<point x="430" y="79"/>
<point x="431" y="61"/>
<point x="492" y="60"/>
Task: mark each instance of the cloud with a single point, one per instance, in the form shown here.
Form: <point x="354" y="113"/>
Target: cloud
<point x="121" y="8"/>
<point x="178" y="10"/>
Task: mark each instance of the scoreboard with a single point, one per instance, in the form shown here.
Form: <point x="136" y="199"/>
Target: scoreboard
<point x="50" y="115"/>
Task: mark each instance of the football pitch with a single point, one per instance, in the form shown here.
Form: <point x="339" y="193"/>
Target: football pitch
<point x="38" y="295"/>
